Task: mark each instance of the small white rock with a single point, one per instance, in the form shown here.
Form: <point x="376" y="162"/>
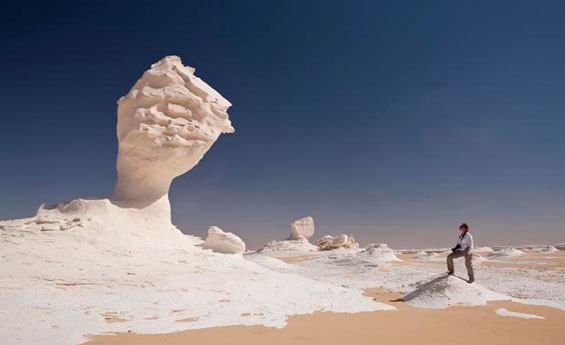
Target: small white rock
<point x="223" y="242"/>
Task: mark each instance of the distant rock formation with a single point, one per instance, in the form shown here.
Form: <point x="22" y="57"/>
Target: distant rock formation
<point x="329" y="242"/>
<point x="166" y="123"/>
<point x="560" y="246"/>
<point x="380" y="252"/>
<point x="302" y="228"/>
<point x="287" y="247"/>
<point x="546" y="250"/>
<point x="482" y="250"/>
<point x="505" y="253"/>
<point x="223" y="242"/>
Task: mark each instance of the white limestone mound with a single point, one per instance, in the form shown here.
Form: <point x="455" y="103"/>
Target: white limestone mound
<point x="426" y="250"/>
<point x="288" y="248"/>
<point x="302" y="228"/>
<point x="223" y="242"/>
<point x="423" y="256"/>
<point x="380" y="252"/>
<point x="445" y="291"/>
<point x="329" y="242"/>
<point x="408" y="251"/>
<point x="560" y="246"/>
<point x="506" y="312"/>
<point x="546" y="250"/>
<point x="506" y="253"/>
<point x="483" y="250"/>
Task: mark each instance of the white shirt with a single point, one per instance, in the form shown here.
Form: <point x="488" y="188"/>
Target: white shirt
<point x="466" y="243"/>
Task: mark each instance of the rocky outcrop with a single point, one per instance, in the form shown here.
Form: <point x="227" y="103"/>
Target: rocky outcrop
<point x="223" y="242"/>
<point x="380" y="252"/>
<point x="505" y="253"/>
<point x="166" y="123"/>
<point x="302" y="228"/>
<point x="329" y="242"/>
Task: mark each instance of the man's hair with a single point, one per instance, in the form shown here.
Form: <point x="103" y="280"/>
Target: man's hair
<point x="464" y="226"/>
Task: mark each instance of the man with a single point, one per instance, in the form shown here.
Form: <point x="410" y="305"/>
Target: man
<point x="464" y="248"/>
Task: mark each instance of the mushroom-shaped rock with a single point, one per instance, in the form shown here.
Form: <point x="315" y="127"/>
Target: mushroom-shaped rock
<point x="302" y="228"/>
<point x="329" y="242"/>
<point x="166" y="123"/>
<point x="223" y="242"/>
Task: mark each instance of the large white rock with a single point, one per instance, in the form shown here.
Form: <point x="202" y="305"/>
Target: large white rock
<point x="166" y="123"/>
<point x="329" y="242"/>
<point x="223" y="242"/>
<point x="302" y="228"/>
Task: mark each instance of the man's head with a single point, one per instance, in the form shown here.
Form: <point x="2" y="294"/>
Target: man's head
<point x="464" y="227"/>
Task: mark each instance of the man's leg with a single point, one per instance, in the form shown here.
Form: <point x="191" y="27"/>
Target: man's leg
<point x="450" y="258"/>
<point x="469" y="265"/>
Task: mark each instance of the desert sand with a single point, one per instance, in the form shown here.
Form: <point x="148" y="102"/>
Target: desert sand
<point x="406" y="325"/>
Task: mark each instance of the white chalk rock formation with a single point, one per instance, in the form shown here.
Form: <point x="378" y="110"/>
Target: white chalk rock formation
<point x="427" y="256"/>
<point x="546" y="250"/>
<point x="380" y="252"/>
<point x="560" y="246"/>
<point x="483" y="250"/>
<point x="166" y="123"/>
<point x="506" y="253"/>
<point x="329" y="242"/>
<point x="223" y="242"/>
<point x="288" y="248"/>
<point x="445" y="291"/>
<point x="302" y="228"/>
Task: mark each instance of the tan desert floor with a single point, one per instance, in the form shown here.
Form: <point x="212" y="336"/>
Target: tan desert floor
<point x="407" y="325"/>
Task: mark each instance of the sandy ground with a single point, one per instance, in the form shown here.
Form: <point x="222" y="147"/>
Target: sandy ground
<point x="407" y="325"/>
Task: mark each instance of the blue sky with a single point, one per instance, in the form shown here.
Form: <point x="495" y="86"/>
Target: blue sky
<point x="391" y="120"/>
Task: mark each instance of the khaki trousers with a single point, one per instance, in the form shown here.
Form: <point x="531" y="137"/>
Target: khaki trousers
<point x="468" y="262"/>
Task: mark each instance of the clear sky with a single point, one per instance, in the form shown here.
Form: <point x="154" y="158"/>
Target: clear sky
<point x="391" y="120"/>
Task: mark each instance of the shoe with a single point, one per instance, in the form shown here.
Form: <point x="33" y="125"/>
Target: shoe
<point x="450" y="273"/>
<point x="471" y="280"/>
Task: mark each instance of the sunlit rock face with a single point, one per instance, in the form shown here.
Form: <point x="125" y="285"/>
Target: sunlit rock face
<point x="302" y="228"/>
<point x="223" y="242"/>
<point x="166" y="123"/>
